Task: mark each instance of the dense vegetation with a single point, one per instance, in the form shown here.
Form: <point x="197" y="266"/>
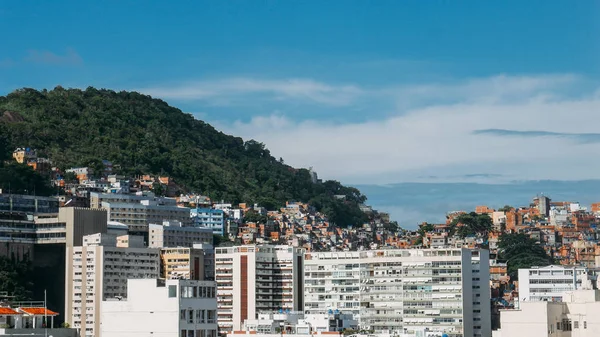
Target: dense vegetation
<point x="470" y="224"/>
<point x="521" y="251"/>
<point x="16" y="277"/>
<point x="142" y="135"/>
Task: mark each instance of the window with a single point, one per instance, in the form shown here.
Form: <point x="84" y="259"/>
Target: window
<point x="576" y="325"/>
<point x="182" y="314"/>
<point x="585" y="324"/>
<point x="172" y="291"/>
<point x="191" y="317"/>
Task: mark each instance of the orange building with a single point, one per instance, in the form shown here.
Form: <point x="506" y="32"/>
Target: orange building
<point x="483" y="210"/>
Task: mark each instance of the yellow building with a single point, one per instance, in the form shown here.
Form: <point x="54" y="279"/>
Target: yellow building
<point x="24" y="155"/>
<point x="182" y="263"/>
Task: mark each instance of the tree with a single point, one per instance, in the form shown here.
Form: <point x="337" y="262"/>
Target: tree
<point x="15" y="277"/>
<point x="4" y="152"/>
<point x="521" y="251"/>
<point x="22" y="179"/>
<point x="254" y="216"/>
<point x="505" y="208"/>
<point x="471" y="224"/>
<point x="158" y="189"/>
<point x="424" y="228"/>
<point x="70" y="177"/>
<point x="218" y="239"/>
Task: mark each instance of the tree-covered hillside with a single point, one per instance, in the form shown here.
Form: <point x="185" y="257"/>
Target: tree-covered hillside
<point x="143" y="135"/>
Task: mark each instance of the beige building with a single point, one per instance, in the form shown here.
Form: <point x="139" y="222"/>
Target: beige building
<point x="182" y="263"/>
<point x="99" y="269"/>
<point x="257" y="278"/>
<point x="175" y="234"/>
<point x="576" y="316"/>
<point x="137" y="211"/>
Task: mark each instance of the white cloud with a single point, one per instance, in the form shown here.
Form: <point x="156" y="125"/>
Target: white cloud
<point x="223" y="91"/>
<point x="71" y="57"/>
<point x="438" y="139"/>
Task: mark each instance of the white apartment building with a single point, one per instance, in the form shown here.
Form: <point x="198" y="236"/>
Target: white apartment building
<point x="160" y="308"/>
<point x="549" y="283"/>
<point x="403" y="292"/>
<point x="175" y="234"/>
<point x="257" y="278"/>
<point x="99" y="269"/>
<point x="138" y="211"/>
<point x="139" y="216"/>
<point x="576" y="316"/>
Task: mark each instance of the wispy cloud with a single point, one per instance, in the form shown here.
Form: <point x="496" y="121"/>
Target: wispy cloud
<point x="241" y="89"/>
<point x="70" y="57"/>
<point x="449" y="134"/>
<point x="577" y="137"/>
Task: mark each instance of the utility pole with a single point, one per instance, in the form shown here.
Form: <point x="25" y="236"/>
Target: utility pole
<point x="45" y="315"/>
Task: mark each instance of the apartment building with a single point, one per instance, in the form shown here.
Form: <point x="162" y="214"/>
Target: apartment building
<point x="257" y="278"/>
<point x="139" y="210"/>
<point x="575" y="315"/>
<point x="407" y="292"/>
<point x="162" y="308"/>
<point x="175" y="234"/>
<point x="213" y="219"/>
<point x="182" y="263"/>
<point x="138" y="216"/>
<point x="26" y="221"/>
<point x="99" y="269"/>
<point x="550" y="282"/>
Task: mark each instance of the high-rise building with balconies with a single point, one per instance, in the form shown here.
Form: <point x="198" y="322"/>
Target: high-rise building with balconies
<point x="99" y="269"/>
<point x="407" y="292"/>
<point x="257" y="278"/>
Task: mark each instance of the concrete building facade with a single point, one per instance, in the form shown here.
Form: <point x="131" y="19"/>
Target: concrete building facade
<point x="257" y="278"/>
<point x="404" y="292"/>
<point x="182" y="263"/>
<point x="576" y="316"/>
<point x="549" y="283"/>
<point x="99" y="269"/>
<point x="175" y="234"/>
<point x="214" y="219"/>
<point x="162" y="308"/>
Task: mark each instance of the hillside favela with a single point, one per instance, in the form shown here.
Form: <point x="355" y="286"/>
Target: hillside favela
<point x="299" y="168"/>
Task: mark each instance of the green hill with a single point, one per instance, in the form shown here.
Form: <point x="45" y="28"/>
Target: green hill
<point x="143" y="135"/>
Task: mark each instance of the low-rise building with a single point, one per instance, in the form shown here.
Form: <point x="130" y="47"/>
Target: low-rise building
<point x="549" y="283"/>
<point x="160" y="308"/>
<point x="575" y="315"/>
<point x="294" y="324"/>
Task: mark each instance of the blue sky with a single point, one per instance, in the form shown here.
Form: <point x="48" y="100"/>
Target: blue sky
<point x="364" y="91"/>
